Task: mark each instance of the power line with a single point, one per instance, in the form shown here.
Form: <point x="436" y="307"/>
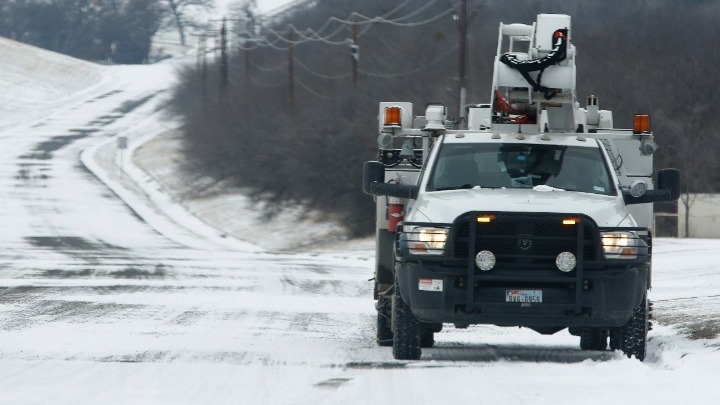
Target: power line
<point x="267" y="69"/>
<point x="316" y="94"/>
<point x="317" y="36"/>
<point x="372" y="20"/>
<point x="257" y="83"/>
<point x="386" y="15"/>
<point x="312" y="72"/>
<point x="418" y="11"/>
<point x="285" y="42"/>
<point x="313" y="36"/>
<point x="439" y="59"/>
<point x="291" y="30"/>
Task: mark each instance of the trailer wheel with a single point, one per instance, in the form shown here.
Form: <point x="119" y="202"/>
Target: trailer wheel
<point x="634" y="332"/>
<point x="593" y="339"/>
<point x="406" y="330"/>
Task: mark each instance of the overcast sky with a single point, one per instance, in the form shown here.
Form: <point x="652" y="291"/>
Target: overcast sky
<point x="263" y="5"/>
<point x="271" y="4"/>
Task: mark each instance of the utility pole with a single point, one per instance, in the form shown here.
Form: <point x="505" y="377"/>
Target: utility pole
<point x="354" y="54"/>
<point x="246" y="54"/>
<point x="291" y="69"/>
<point x="246" y="45"/>
<point x="223" y="58"/>
<point x="202" y="61"/>
<point x="462" y="63"/>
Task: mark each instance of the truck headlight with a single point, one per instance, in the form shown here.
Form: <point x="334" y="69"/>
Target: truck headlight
<point x="620" y="245"/>
<point x="426" y="241"/>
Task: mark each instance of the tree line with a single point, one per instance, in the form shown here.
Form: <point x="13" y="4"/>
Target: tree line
<point x="120" y="31"/>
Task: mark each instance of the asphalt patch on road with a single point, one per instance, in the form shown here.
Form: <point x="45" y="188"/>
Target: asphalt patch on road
<point x="31" y="172"/>
<point x="104" y="120"/>
<point x="367" y="365"/>
<point x="67" y="273"/>
<point x="158" y="356"/>
<point x="140" y="272"/>
<point x="44" y="150"/>
<point x="63" y="243"/>
<point x="333" y="383"/>
<point x="102" y="96"/>
<point x="35" y="312"/>
<point x="137" y="273"/>
<point x="130" y="105"/>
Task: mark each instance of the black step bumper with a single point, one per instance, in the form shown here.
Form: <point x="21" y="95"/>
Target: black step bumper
<point x="606" y="298"/>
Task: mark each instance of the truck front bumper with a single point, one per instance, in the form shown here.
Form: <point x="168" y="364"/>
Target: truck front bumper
<point x="600" y="298"/>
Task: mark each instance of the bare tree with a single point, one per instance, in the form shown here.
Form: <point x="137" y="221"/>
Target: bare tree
<point x="183" y="14"/>
<point x="246" y="14"/>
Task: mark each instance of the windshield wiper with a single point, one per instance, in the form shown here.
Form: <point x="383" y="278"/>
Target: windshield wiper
<point x="463" y="187"/>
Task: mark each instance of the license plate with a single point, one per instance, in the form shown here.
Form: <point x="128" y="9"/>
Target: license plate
<point x="523" y="296"/>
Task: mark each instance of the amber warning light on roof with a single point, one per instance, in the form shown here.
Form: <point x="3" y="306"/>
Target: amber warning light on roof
<point x="393" y="116"/>
<point x="642" y="124"/>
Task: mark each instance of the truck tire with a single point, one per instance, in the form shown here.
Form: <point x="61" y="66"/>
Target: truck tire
<point x="634" y="332"/>
<point x="406" y="330"/>
<point x="593" y="339"/>
<point x="427" y="338"/>
<point x="384" y="335"/>
<point x="616" y="339"/>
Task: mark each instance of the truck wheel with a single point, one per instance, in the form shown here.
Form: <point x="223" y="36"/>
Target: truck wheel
<point x="615" y="339"/>
<point x="384" y="323"/>
<point x="593" y="339"/>
<point x="634" y="332"/>
<point x="427" y="338"/>
<point x="406" y="330"/>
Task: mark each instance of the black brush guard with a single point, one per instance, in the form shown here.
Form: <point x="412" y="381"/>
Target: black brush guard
<point x="526" y="247"/>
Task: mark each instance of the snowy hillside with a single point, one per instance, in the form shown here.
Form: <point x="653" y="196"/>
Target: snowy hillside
<point x="29" y="78"/>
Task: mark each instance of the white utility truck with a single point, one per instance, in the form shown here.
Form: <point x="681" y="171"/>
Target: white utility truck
<point x="538" y="213"/>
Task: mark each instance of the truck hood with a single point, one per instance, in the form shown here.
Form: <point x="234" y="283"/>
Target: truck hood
<point x="445" y="206"/>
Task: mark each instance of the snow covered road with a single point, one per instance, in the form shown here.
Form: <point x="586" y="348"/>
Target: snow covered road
<point x="110" y="294"/>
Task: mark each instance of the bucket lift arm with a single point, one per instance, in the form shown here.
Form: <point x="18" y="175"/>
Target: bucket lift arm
<point x="537" y="79"/>
<point x="558" y="53"/>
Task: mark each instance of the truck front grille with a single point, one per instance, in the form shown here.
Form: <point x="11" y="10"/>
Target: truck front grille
<point x="522" y="240"/>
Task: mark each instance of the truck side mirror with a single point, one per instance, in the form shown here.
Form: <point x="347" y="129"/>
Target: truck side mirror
<point x="374" y="183"/>
<point x="373" y="172"/>
<point x="669" y="179"/>
<point x="668" y="189"/>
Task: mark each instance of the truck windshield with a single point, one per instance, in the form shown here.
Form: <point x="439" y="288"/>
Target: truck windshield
<point x="487" y="165"/>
